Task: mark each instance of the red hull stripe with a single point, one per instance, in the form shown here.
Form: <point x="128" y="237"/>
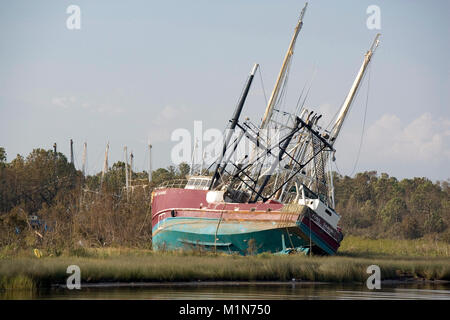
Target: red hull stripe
<point x="320" y="233"/>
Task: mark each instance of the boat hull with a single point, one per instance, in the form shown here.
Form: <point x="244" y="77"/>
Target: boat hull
<point x="243" y="237"/>
<point x="235" y="228"/>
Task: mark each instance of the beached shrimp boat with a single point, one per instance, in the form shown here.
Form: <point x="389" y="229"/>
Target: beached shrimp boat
<point x="277" y="198"/>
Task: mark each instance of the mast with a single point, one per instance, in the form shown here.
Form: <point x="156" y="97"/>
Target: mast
<point x="71" y="151"/>
<point x="54" y="155"/>
<point x="282" y="75"/>
<point x="279" y="83"/>
<point x="105" y="165"/>
<point x="83" y="168"/>
<point x="130" y="175"/>
<point x="353" y="90"/>
<point x="126" y="169"/>
<point x="344" y="110"/>
<point x="150" y="163"/>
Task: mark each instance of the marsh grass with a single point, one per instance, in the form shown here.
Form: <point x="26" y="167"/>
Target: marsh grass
<point x="136" y="266"/>
<point x="419" y="259"/>
<point x="16" y="282"/>
<point x="359" y="247"/>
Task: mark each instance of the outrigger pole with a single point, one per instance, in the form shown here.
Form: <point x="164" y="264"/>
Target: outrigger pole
<point x="353" y="90"/>
<point x="234" y="121"/>
<point x="346" y="106"/>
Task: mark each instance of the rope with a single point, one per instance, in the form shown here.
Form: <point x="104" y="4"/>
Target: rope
<point x="262" y="85"/>
<point x="334" y="117"/>
<point x="364" y="125"/>
<point x="310" y="240"/>
<point x="337" y="169"/>
<point x="298" y="107"/>
<point x="217" y="228"/>
<point x="281" y="102"/>
<point x="290" y="239"/>
<point x="362" y="131"/>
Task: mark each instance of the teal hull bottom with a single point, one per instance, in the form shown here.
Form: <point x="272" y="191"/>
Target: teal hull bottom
<point x="242" y="237"/>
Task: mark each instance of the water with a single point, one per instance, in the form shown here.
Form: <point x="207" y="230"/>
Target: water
<point x="239" y="290"/>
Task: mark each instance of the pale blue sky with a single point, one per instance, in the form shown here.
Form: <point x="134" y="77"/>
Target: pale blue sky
<point x="140" y="69"/>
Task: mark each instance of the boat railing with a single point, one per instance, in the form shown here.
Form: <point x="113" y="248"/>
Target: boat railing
<point x="174" y="183"/>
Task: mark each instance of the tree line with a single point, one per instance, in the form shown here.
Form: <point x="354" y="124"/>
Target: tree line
<point x="72" y="210"/>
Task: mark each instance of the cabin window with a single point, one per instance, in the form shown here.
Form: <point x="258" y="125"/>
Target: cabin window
<point x="328" y="212"/>
<point x="198" y="183"/>
<point x="204" y="183"/>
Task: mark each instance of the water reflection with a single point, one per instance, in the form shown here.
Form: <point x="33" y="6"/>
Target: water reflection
<point x="238" y="291"/>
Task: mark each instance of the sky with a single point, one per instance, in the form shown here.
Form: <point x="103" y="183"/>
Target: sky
<point x="136" y="71"/>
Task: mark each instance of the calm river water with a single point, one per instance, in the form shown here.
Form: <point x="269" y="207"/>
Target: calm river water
<point x="238" y="290"/>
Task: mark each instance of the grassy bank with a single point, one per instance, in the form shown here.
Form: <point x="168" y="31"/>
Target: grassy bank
<point x="128" y="265"/>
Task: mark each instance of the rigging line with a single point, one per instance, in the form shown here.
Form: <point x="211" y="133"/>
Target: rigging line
<point x="280" y="100"/>
<point x="362" y="133"/>
<point x="290" y="239"/>
<point x="357" y="91"/>
<point x="262" y="84"/>
<point x="285" y="86"/>
<point x="217" y="228"/>
<point x="337" y="168"/>
<point x="282" y="97"/>
<point x="364" y="124"/>
<point x="300" y="97"/>
<point x="307" y="92"/>
<point x="334" y="117"/>
<point x="297" y="107"/>
<point x="310" y="239"/>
